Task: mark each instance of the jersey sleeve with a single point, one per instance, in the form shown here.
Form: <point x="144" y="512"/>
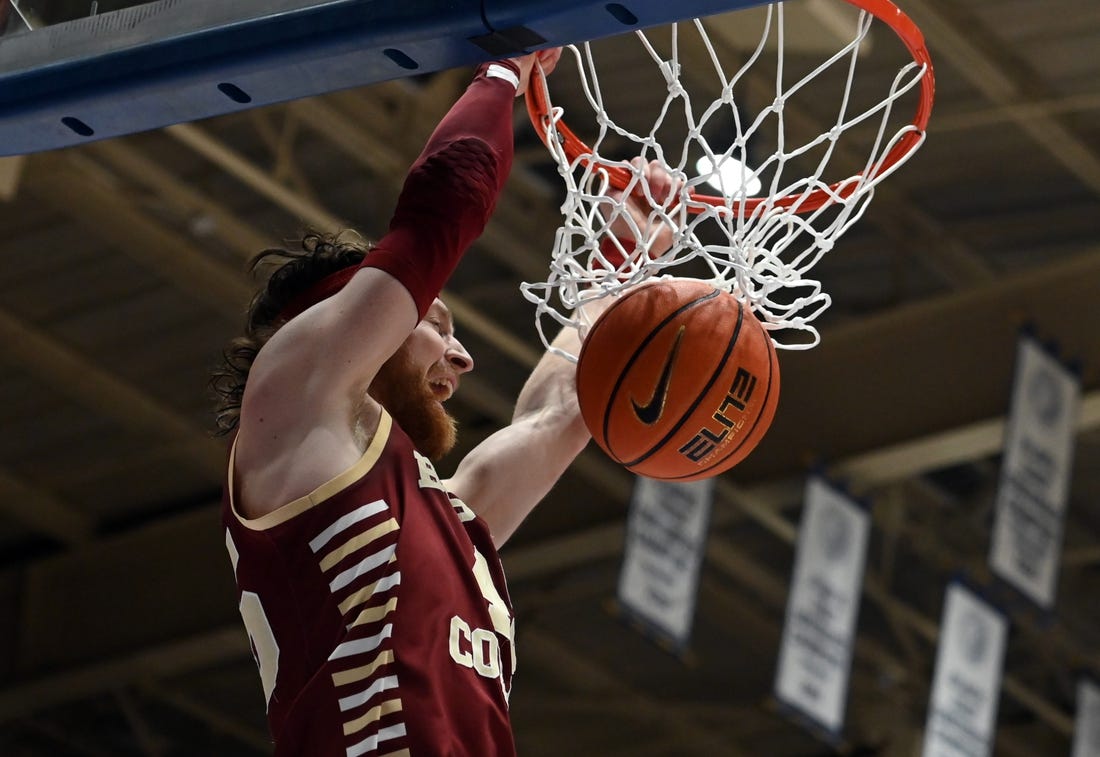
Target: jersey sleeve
<point x="452" y="188"/>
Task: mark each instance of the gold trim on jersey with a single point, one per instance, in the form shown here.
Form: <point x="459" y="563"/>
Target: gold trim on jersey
<point x="372" y="716"/>
<point x="322" y="492"/>
<point x="374" y="614"/>
<point x="355" y="675"/>
<point x="356" y="543"/>
<point x="385" y="583"/>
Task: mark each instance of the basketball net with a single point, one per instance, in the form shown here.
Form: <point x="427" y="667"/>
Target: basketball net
<point x="774" y="216"/>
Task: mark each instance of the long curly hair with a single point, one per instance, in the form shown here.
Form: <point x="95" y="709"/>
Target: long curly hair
<point x="285" y="274"/>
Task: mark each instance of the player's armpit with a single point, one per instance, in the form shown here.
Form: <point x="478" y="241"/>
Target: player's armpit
<point x="504" y="477"/>
<point x="509" y="473"/>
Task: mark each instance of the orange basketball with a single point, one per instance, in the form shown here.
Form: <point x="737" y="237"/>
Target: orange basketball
<point x="677" y="380"/>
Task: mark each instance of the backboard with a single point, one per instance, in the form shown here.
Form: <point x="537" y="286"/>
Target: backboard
<point x="103" y="69"/>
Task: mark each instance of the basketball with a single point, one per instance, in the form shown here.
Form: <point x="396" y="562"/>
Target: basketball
<point x="677" y="380"/>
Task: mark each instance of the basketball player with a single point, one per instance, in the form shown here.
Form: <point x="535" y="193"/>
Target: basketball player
<point x="370" y="588"/>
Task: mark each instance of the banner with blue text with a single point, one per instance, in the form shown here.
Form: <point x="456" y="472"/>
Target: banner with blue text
<point x="1035" y="473"/>
<point x="666" y="536"/>
<point x="962" y="712"/>
<point x="815" y="652"/>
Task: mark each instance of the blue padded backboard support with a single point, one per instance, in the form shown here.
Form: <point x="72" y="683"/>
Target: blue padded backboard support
<point x="175" y="61"/>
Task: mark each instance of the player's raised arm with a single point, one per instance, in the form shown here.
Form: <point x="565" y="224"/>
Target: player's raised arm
<point x="448" y="196"/>
<point x="336" y="311"/>
<point x="509" y="473"/>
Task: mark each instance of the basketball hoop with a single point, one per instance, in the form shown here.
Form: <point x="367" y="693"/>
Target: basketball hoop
<point x="764" y="231"/>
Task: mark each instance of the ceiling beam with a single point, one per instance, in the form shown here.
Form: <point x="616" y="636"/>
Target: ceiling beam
<point x="80" y="189"/>
<point x="81" y="379"/>
<point x="129" y="162"/>
<point x="944" y="449"/>
<point x="256" y="179"/>
<point x="208" y="648"/>
<point x="582" y="673"/>
<point x="941" y="364"/>
<point x="61" y="735"/>
<point x="11" y="171"/>
<point x="42" y="512"/>
<point x="1023" y="111"/>
<point x="214" y="718"/>
<point x="996" y="73"/>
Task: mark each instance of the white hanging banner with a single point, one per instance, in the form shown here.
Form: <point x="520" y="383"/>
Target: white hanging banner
<point x="666" y="536"/>
<point x="1086" y="732"/>
<point x="1035" y="473"/>
<point x="962" y="713"/>
<point x="816" y="649"/>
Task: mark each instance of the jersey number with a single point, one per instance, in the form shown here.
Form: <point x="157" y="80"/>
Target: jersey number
<point x="264" y="648"/>
<point x="479" y="648"/>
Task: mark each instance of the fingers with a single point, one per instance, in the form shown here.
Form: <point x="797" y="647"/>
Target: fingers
<point x="662" y="184"/>
<point x="548" y="59"/>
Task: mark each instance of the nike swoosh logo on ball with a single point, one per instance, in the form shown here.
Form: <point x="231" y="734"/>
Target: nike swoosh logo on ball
<point x="650" y="413"/>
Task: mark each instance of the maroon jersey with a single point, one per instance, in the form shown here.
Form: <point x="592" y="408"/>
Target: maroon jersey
<point x="378" y="613"/>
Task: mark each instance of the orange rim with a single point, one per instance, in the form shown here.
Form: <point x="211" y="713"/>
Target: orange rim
<point x="538" y="109"/>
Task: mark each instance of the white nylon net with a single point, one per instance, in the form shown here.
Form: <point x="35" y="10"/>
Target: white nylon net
<point x="762" y="240"/>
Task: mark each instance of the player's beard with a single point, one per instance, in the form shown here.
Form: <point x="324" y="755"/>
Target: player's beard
<point x="403" y="390"/>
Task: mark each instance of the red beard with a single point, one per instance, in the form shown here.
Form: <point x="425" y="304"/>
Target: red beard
<point x="403" y="390"/>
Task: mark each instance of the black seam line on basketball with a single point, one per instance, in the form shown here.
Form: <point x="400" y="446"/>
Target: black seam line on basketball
<point x="645" y="343"/>
<point x="651" y="412"/>
<point x="699" y="398"/>
<point x="745" y="438"/>
<point x="584" y="347"/>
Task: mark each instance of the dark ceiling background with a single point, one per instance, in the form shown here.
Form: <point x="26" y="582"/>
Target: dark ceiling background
<point x="121" y="276"/>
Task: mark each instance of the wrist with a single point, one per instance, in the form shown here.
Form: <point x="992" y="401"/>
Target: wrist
<point x="505" y="70"/>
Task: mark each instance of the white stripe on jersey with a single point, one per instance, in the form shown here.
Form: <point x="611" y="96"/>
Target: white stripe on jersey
<point x="373" y="614"/>
<point x="372" y="716"/>
<point x="364" y="566"/>
<point x="385" y="583"/>
<point x="356" y="543"/>
<point x="369" y="745"/>
<point x="355" y="675"/>
<point x="358" y="646"/>
<point x="355" y="516"/>
<point x="376" y="688"/>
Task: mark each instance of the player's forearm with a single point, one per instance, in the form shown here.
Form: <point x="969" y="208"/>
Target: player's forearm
<point x="452" y="188"/>
<point x="511" y="472"/>
<point x="449" y="193"/>
<point x="552" y="385"/>
<point x="484" y="111"/>
<point x="553" y="382"/>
